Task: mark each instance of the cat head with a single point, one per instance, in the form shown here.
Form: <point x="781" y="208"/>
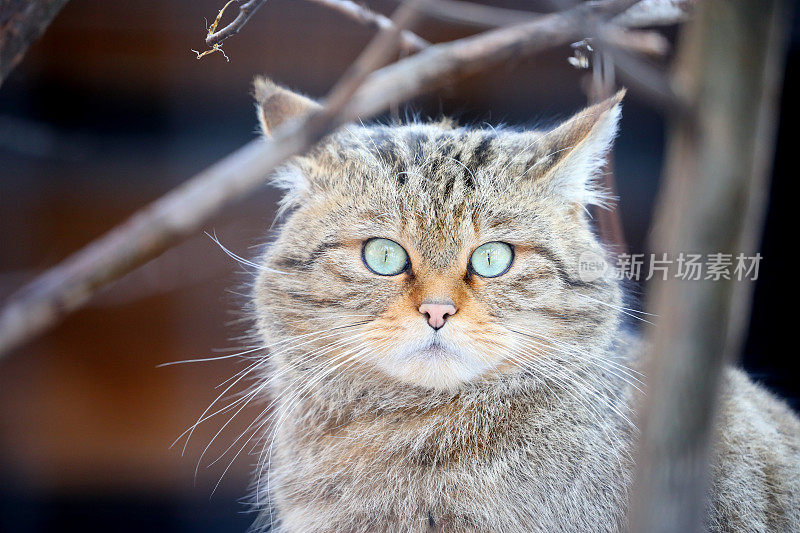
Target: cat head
<point x="435" y="255"/>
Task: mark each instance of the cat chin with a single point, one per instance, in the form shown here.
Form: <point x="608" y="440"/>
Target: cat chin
<point x="434" y="368"/>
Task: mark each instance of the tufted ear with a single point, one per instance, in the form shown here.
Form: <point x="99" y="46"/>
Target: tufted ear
<point x="569" y="157"/>
<point x="276" y="104"/>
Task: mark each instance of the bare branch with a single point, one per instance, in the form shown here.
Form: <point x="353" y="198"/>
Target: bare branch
<point x="713" y="201"/>
<point x="646" y="13"/>
<point x="22" y="22"/>
<point x="441" y="63"/>
<point x="648" y="43"/>
<point x="375" y="55"/>
<point x="246" y="11"/>
<point x="410" y="41"/>
<point x="69" y="285"/>
<point x="644" y="77"/>
<point x="656" y="13"/>
<point x="472" y="14"/>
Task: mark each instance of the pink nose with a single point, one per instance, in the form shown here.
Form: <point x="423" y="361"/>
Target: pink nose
<point x="437" y="313"/>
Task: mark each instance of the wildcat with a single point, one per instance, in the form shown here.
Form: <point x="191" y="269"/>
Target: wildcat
<point x="436" y="361"/>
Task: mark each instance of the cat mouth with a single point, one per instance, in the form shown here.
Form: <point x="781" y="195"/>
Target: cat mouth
<point x="435" y="362"/>
<point x="435" y="350"/>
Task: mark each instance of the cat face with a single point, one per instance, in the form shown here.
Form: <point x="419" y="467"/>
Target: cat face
<point x="435" y="256"/>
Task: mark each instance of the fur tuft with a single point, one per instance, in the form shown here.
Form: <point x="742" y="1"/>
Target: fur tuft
<point x="577" y="151"/>
<point x="275" y="104"/>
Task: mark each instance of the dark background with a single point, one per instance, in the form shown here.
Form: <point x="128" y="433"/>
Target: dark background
<point x="109" y="111"/>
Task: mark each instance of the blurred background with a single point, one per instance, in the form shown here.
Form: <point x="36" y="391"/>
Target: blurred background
<point x="111" y="109"/>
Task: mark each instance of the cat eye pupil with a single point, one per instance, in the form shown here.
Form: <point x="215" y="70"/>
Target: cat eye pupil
<point x="384" y="257"/>
<point x="492" y="259"/>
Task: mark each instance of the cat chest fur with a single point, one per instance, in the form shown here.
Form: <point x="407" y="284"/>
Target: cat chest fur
<point x="464" y="465"/>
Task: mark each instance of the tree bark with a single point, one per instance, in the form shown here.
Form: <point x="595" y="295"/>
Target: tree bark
<point x="716" y="179"/>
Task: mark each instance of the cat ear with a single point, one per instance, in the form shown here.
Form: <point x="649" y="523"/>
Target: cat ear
<point x="570" y="156"/>
<point x="276" y="104"/>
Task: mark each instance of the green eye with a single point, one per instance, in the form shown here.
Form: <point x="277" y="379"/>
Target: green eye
<point x="492" y="259"/>
<point x="384" y="257"/>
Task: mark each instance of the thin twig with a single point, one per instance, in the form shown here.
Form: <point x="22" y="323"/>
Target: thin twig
<point x="181" y="212"/>
<point x="478" y="15"/>
<point x="374" y="56"/>
<point x="646" y="79"/>
<point x="649" y="43"/>
<point x="647" y="13"/>
<point x="484" y="16"/>
<point x="246" y="11"/>
<point x="410" y="41"/>
<point x="640" y="75"/>
<point x="656" y="13"/>
<point x="439" y="63"/>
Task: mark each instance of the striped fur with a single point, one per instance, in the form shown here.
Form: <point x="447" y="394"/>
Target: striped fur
<point x="522" y="426"/>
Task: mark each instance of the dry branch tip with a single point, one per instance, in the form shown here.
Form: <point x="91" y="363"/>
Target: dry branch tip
<point x="216" y="47"/>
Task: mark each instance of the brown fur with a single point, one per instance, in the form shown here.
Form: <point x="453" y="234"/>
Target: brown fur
<point x="521" y="423"/>
<point x="276" y="104"/>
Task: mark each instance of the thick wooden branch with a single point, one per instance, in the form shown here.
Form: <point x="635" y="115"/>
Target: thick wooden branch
<point x="713" y="200"/>
<point x="22" y="22"/>
<point x="69" y="285"/>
